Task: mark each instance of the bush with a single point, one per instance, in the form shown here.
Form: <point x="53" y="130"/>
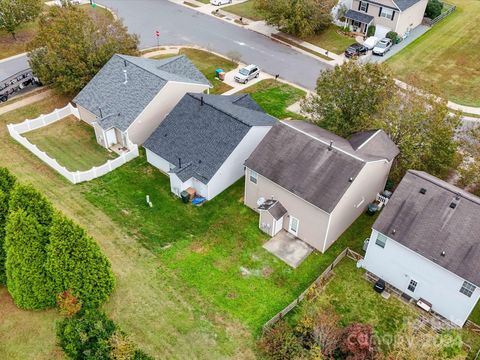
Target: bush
<point x="392" y="35"/>
<point x="76" y="263"/>
<point x="279" y="343"/>
<point x="68" y="304"/>
<point x="7" y="182"/>
<point x="371" y="30"/>
<point x="357" y="343"/>
<point x="433" y="9"/>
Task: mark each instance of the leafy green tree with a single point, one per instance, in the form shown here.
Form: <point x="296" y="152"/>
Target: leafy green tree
<point x="71" y="47"/>
<point x="27" y="280"/>
<point x="14" y="13"/>
<point x="348" y="96"/>
<point x="297" y="17"/>
<point x="29" y="199"/>
<point x="469" y="170"/>
<point x="77" y="264"/>
<point x="433" y="9"/>
<point x="7" y="181"/>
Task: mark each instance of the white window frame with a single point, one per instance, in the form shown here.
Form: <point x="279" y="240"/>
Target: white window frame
<point x="363" y="6"/>
<point x="467" y="289"/>
<point x="253" y="176"/>
<point x="413" y="283"/>
<point x="386" y="13"/>
<point x="290" y="229"/>
<point x="381" y="240"/>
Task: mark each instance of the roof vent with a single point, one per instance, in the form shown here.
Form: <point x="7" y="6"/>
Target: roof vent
<point x="126" y="76"/>
<point x="330" y="147"/>
<point x="201" y="101"/>
<point x="423" y="191"/>
<point x="394" y="231"/>
<point x="453" y="205"/>
<point x="442" y="253"/>
<point x="350" y="179"/>
<point x="457" y="197"/>
<point x="165" y="135"/>
<point x="101" y="114"/>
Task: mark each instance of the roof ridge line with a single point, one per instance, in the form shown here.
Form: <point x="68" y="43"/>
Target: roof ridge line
<point x="439" y="182"/>
<point x="370" y="138"/>
<point x="151" y="72"/>
<point x="323" y="142"/>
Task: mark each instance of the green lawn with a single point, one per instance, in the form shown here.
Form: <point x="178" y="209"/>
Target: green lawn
<point x="274" y="97"/>
<point x="331" y="40"/>
<point x="245" y="9"/>
<point x="207" y="63"/>
<point x="446" y="57"/>
<point x="72" y="143"/>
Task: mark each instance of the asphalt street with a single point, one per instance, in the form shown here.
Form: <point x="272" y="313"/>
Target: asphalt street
<point x="179" y="25"/>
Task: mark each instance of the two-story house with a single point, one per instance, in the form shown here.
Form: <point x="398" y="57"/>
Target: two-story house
<point x="426" y="243"/>
<point x="400" y="16"/>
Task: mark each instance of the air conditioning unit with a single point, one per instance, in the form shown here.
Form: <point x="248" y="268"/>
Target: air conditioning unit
<point x="424" y="304"/>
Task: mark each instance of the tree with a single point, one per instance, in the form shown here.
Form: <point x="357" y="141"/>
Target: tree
<point x="27" y="198"/>
<point x="469" y="170"/>
<point x="77" y="264"/>
<point x="297" y="17"/>
<point x="71" y="47"/>
<point x="433" y="9"/>
<point x="357" y="342"/>
<point x="27" y="280"/>
<point x="279" y="343"/>
<point x="14" y="13"/>
<point x="352" y="98"/>
<point x="347" y="97"/>
<point x="7" y="181"/>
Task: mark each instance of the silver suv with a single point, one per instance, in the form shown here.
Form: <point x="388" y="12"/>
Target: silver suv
<point x="247" y="73"/>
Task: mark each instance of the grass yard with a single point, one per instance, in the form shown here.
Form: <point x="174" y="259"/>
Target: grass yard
<point x="163" y="315"/>
<point x="72" y="143"/>
<point x="446" y="57"/>
<point x="245" y="9"/>
<point x="353" y="299"/>
<point x="207" y="63"/>
<point x="331" y="40"/>
<point x="275" y="97"/>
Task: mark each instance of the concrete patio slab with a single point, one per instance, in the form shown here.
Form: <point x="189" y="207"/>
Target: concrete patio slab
<point x="288" y="248"/>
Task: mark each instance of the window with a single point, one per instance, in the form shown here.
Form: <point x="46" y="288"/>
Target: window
<point x="467" y="288"/>
<point x="363" y="6"/>
<point x="386" y="13"/>
<point x="381" y="240"/>
<point x="253" y="176"/>
<point x="412" y="285"/>
<point x="293" y="227"/>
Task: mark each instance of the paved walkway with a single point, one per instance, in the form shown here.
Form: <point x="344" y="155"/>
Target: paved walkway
<point x="26" y="100"/>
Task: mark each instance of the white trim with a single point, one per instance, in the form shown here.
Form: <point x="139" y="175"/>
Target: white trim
<point x="324" y="142"/>
<point x="290" y="230"/>
<point x="326" y="234"/>
<point x="370" y="138"/>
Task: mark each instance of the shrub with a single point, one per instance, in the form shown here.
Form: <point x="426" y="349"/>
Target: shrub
<point x="7" y="182"/>
<point x="392" y="35"/>
<point x="26" y="197"/>
<point x="433" y="9"/>
<point x="122" y="347"/>
<point x="371" y="30"/>
<point x="357" y="343"/>
<point x="76" y="263"/>
<point x="279" y="343"/>
<point x="68" y="304"/>
<point x="86" y="335"/>
<point x="27" y="280"/>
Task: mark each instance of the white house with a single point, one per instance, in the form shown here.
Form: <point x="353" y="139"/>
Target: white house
<point x="313" y="183"/>
<point x="205" y="140"/>
<point x="130" y="96"/>
<point x="426" y="243"/>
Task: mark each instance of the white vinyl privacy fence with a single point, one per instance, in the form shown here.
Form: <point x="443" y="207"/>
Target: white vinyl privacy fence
<point x="75" y="177"/>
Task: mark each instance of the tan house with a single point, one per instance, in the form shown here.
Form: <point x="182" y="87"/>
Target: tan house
<point x="314" y="184"/>
<point x="400" y="16"/>
<point x="130" y="96"/>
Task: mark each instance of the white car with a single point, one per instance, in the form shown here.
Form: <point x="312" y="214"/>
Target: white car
<point x="370" y="42"/>
<point x="247" y="73"/>
<point x="382" y="47"/>
<point x="220" y="2"/>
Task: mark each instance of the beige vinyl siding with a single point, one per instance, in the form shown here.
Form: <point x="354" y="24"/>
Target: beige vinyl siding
<point x="86" y="115"/>
<point x="313" y="221"/>
<point x="411" y="18"/>
<point x="374" y="10"/>
<point x="156" y="111"/>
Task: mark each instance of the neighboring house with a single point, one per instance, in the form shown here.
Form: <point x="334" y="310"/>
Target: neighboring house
<point x="426" y="243"/>
<point x="130" y="96"/>
<point x="205" y="140"/>
<point x="313" y="183"/>
<point x="400" y="16"/>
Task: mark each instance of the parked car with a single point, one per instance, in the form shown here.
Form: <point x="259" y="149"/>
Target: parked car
<point x="247" y="73"/>
<point x="355" y="50"/>
<point x="370" y="42"/>
<point x="382" y="47"/>
<point x="220" y="2"/>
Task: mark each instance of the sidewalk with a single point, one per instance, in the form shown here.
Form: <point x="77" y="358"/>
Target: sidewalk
<point x="25" y="100"/>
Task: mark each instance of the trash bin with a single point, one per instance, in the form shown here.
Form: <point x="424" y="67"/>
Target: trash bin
<point x="372" y="209"/>
<point x="218" y="72"/>
<point x="221" y="76"/>
<point x="185" y="196"/>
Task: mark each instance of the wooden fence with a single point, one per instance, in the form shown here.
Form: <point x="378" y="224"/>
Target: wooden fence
<point x="319" y="282"/>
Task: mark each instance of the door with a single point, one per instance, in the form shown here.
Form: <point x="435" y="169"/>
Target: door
<point x="293" y="225"/>
<point x="111" y="137"/>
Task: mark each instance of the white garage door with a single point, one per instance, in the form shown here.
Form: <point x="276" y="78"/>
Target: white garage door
<point x="381" y="31"/>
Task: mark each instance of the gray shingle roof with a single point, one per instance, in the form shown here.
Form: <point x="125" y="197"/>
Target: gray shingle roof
<point x="358" y="16"/>
<point x="405" y="4"/>
<point x="277" y="210"/>
<point x="426" y="224"/>
<point x="118" y="104"/>
<point x="374" y="143"/>
<point x="203" y="136"/>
